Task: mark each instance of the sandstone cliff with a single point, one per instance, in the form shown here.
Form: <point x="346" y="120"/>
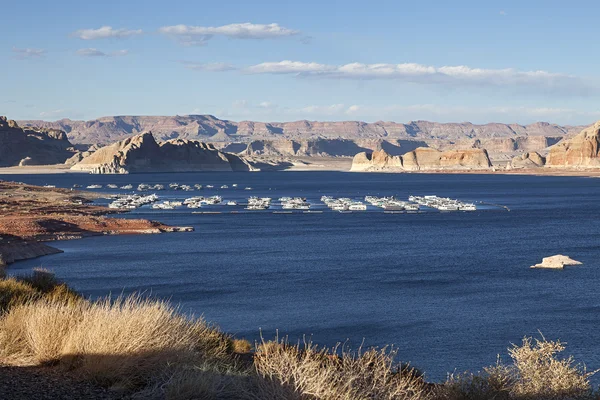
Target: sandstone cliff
<point x="580" y="151"/>
<point x="209" y="128"/>
<point x="32" y="146"/>
<point x="527" y="160"/>
<point x="142" y="153"/>
<point x="423" y="159"/>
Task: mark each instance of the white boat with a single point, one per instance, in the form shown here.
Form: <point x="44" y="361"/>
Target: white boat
<point x="112" y="186"/>
<point x="209" y="186"/>
<point x="224" y="187"/>
<point x="127" y="187"/>
<point x="94" y="187"/>
<point x="234" y="185"/>
<point x="357" y="207"/>
<point x="248" y="188"/>
<point x="232" y="203"/>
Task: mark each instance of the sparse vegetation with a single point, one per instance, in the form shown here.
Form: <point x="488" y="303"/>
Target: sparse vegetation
<point x="148" y="349"/>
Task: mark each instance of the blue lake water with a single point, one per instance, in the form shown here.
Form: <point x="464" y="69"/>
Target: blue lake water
<point x="449" y="290"/>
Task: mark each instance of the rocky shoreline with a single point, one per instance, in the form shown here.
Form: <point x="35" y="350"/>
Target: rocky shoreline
<point x="31" y="216"/>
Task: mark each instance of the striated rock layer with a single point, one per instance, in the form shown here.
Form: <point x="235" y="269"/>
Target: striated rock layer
<point x="142" y="153"/>
<point x="423" y="159"/>
<point x="209" y="128"/>
<point x="32" y="146"/>
<point x="580" y="151"/>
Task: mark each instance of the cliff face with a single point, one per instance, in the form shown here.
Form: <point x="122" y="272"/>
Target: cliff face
<point x="32" y="146"/>
<point x="142" y="153"/>
<point x="207" y="127"/>
<point x="580" y="151"/>
<point x="423" y="159"/>
<point x="328" y="147"/>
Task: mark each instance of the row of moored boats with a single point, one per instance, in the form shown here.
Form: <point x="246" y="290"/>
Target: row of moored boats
<point x="443" y="203"/>
<point x="144" y="187"/>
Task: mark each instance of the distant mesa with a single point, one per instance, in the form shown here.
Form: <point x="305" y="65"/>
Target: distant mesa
<point x="204" y="128"/>
<point x="142" y="153"/>
<point x="32" y="146"/>
<point x="423" y="159"/>
<point x="581" y="151"/>
<point x="558" y="261"/>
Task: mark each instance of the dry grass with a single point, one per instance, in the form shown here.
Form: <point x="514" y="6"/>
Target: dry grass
<point x="125" y="342"/>
<point x="308" y="372"/>
<point x="537" y="372"/>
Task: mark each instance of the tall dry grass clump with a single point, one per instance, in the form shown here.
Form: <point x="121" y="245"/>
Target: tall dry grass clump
<point x="126" y="342"/>
<point x="308" y="372"/>
<point x="541" y="374"/>
<point x="537" y="372"/>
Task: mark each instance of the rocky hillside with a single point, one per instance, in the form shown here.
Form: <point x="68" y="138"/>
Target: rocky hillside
<point x="580" y="151"/>
<point x="32" y="146"/>
<point x="423" y="159"/>
<point x="209" y="128"/>
<point x="142" y="153"/>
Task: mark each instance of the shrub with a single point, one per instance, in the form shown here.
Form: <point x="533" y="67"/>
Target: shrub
<point x="14" y="292"/>
<point x="41" y="280"/>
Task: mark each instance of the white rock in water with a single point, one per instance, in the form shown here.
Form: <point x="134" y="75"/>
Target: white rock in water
<point x="556" y="262"/>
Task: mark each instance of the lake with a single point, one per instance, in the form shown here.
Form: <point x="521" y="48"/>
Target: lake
<point x="450" y="290"/>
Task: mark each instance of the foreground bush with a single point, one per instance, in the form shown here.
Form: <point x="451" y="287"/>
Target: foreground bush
<point x="536" y="372"/>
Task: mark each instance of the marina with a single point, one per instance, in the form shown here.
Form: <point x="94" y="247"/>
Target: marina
<point x="172" y="199"/>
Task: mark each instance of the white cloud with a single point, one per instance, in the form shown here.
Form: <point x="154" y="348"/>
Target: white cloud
<point x="290" y="67"/>
<point x="93" y="52"/>
<point x="199" y="35"/>
<point x="425" y="74"/>
<point x="53" y="113"/>
<point x="105" y="32"/>
<point x="212" y="67"/>
<point x="23" y="54"/>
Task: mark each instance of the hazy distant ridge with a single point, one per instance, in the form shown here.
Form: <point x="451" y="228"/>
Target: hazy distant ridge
<point x="209" y="128"/>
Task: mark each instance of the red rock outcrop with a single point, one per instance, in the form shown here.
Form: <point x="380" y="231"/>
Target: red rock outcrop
<point x="580" y="151"/>
<point x="423" y="159"/>
<point x="527" y="160"/>
<point x="32" y="146"/>
<point x="142" y="153"/>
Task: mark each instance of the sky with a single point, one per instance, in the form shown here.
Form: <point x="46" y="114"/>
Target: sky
<point x="494" y="61"/>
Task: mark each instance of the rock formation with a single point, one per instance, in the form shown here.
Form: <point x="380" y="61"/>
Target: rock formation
<point x="556" y="262"/>
<point x="32" y="146"/>
<point x="209" y="128"/>
<point x="142" y="153"/>
<point x="527" y="160"/>
<point x="580" y="151"/>
<point x="423" y="159"/>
